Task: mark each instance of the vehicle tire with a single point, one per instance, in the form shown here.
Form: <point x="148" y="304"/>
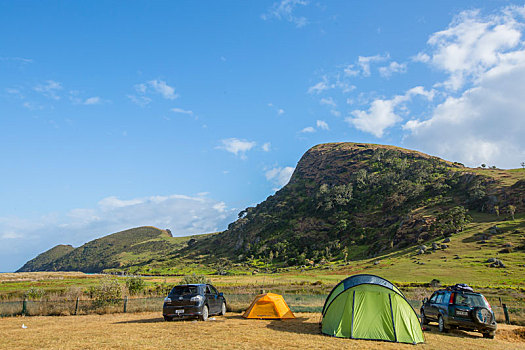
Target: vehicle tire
<point x="424" y="319"/>
<point x="223" y="309"/>
<point x="489" y="335"/>
<point x="441" y="325"/>
<point x="205" y="314"/>
<point x="168" y="318"/>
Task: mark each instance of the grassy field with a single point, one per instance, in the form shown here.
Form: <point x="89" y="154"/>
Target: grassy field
<point x="149" y="331"/>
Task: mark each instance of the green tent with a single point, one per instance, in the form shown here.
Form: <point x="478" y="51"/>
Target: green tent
<point x="370" y="307"/>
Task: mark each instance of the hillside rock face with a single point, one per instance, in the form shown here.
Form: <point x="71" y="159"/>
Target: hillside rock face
<point x="355" y="200"/>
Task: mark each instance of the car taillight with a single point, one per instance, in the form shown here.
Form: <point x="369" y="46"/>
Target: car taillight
<point x="487" y="302"/>
<point x="451" y="301"/>
<point x="197" y="298"/>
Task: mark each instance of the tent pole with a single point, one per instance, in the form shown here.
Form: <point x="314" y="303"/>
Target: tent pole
<point x="392" y="314"/>
<point x="352" y="326"/>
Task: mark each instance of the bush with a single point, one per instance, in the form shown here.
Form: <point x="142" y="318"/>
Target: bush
<point x="135" y="285"/>
<point x="34" y="293"/>
<point x="194" y="279"/>
<point x="108" y="292"/>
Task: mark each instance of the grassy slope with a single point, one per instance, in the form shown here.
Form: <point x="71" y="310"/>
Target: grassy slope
<point x="130" y="247"/>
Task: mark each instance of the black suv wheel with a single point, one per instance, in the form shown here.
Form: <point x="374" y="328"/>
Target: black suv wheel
<point x="441" y="325"/>
<point x="424" y="319"/>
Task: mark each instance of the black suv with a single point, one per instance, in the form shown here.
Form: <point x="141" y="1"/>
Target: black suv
<point x="459" y="307"/>
<point x="193" y="300"/>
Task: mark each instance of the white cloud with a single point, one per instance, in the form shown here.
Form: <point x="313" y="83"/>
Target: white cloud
<point x="328" y="101"/>
<point x="421" y="57"/>
<point x="382" y="113"/>
<point x="308" y="129"/>
<point x="32" y="106"/>
<point x="93" y="101"/>
<point x="362" y="66"/>
<point x="266" y="147"/>
<point x="365" y="61"/>
<point x="13" y="91"/>
<point x="140" y="100"/>
<point x="280" y="111"/>
<point x="17" y="59"/>
<point x="164" y="89"/>
<point x="285" y="10"/>
<point x="483" y="125"/>
<point x="484" y="122"/>
<point x="319" y="87"/>
<point x="393" y="67"/>
<point x="153" y="86"/>
<point x="321" y="124"/>
<point x="279" y="176"/>
<point x="472" y="44"/>
<point x="237" y="146"/>
<point x="49" y="89"/>
<point x="182" y="111"/>
<point x="22" y="239"/>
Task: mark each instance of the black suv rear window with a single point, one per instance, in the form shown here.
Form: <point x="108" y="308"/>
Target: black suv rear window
<point x="184" y="290"/>
<point x="472" y="300"/>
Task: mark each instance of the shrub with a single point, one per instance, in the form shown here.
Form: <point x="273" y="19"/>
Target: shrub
<point x="135" y="285"/>
<point x="108" y="292"/>
<point x="194" y="279"/>
<point x="34" y="293"/>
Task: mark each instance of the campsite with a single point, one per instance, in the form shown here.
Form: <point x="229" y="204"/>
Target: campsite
<point x="150" y="331"/>
<point x="271" y="174"/>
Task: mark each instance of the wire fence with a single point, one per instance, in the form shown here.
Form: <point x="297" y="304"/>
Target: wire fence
<point x="235" y="302"/>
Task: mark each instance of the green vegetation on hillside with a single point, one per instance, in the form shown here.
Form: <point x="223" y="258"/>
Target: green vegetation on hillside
<point x="352" y="201"/>
<point x="131" y="247"/>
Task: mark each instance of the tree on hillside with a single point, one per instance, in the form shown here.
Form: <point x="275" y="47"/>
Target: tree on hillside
<point x="452" y="220"/>
<point x="512" y="210"/>
<point x="523" y="165"/>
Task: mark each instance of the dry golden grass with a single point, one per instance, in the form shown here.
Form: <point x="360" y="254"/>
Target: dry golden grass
<point x="149" y="331"/>
<point x="39" y="276"/>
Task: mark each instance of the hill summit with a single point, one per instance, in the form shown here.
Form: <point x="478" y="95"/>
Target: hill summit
<point x="353" y="200"/>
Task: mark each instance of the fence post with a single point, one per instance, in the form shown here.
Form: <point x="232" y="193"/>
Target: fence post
<point x="24" y="307"/>
<point x="506" y="312"/>
<point x="126" y="304"/>
<point x="76" y="307"/>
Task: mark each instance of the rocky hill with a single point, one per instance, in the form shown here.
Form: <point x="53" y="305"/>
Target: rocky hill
<point x="353" y="201"/>
<point x="345" y="201"/>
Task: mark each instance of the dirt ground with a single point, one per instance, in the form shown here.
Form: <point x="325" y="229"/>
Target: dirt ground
<point x="149" y="331"/>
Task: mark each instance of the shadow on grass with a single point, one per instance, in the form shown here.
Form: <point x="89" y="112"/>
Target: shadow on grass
<point x="455" y="333"/>
<point x="297" y="325"/>
<point x="143" y="320"/>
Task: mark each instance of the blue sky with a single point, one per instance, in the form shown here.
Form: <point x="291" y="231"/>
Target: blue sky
<point x="181" y="114"/>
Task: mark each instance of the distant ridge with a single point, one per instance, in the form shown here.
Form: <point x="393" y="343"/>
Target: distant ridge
<point x="107" y="252"/>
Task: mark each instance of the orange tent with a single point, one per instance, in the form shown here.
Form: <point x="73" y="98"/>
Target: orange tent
<point x="269" y="305"/>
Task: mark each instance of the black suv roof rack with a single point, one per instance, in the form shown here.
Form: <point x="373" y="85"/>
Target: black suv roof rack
<point x="461" y="287"/>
